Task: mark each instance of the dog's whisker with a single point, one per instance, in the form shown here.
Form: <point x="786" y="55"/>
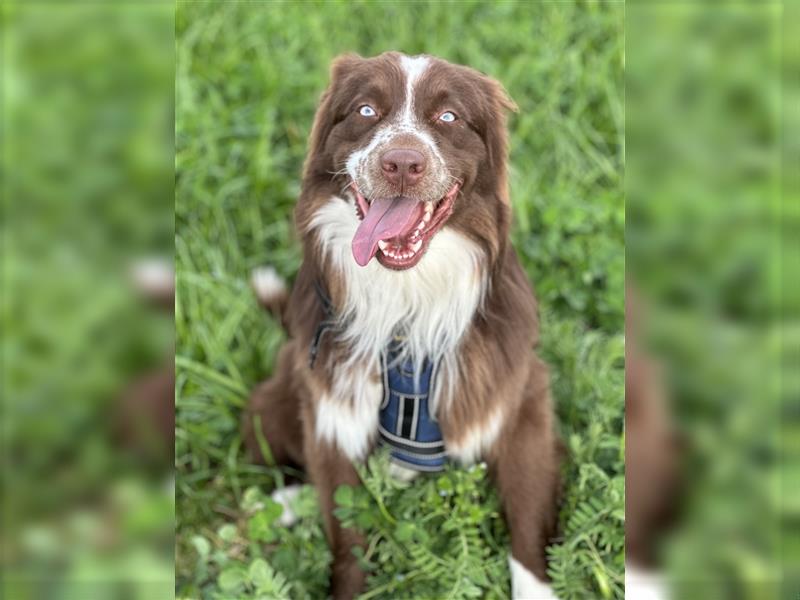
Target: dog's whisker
<point x="335" y="174"/>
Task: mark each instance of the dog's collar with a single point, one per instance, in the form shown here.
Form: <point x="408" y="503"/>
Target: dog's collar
<point x="405" y="424"/>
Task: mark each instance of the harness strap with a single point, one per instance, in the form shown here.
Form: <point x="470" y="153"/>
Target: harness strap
<point x="406" y="423"/>
<point x="328" y="322"/>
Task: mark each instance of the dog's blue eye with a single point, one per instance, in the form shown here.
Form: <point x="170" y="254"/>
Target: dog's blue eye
<point x="367" y="111"/>
<point x="447" y="117"/>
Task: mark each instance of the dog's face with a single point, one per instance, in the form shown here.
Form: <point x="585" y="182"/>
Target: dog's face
<point x="417" y="143"/>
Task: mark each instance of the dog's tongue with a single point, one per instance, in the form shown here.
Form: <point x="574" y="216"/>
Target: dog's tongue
<point x="385" y="219"/>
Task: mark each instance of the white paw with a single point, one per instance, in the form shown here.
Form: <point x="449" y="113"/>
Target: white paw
<point x="285" y="496"/>
<point x="526" y="586"/>
<point x="154" y="277"/>
<point x="644" y="585"/>
<point x="401" y="473"/>
<point x="267" y="284"/>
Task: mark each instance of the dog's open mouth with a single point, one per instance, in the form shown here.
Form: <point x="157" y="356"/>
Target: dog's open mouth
<point x="398" y="229"/>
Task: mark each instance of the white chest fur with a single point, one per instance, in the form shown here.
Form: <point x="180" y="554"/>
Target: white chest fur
<point x="433" y="303"/>
<point x="348" y="418"/>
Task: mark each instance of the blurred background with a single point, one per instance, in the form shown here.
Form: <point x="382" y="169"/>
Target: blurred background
<point x="712" y="258"/>
<point x="87" y="171"/>
<point x="711" y="112"/>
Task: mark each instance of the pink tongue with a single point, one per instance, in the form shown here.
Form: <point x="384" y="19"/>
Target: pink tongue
<point x="385" y="219"/>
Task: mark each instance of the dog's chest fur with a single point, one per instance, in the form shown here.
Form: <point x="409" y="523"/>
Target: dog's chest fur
<point x="432" y="305"/>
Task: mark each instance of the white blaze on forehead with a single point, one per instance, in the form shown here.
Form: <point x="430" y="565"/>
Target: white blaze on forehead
<point x="413" y="67"/>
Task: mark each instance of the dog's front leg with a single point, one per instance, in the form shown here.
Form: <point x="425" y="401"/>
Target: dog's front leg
<point x="329" y="468"/>
<point x="525" y="468"/>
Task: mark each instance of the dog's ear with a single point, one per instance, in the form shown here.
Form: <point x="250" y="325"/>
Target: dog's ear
<point x="342" y="68"/>
<point x="500" y="96"/>
<point x="499" y="104"/>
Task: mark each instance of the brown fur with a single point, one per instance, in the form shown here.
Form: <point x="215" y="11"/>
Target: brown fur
<point x="653" y="485"/>
<point x="497" y="368"/>
<point x="143" y="421"/>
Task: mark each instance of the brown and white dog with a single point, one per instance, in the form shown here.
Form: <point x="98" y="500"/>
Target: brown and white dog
<point x="404" y="216"/>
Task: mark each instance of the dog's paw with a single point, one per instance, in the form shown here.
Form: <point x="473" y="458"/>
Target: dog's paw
<point x="644" y="585"/>
<point x="154" y="278"/>
<point x="285" y="497"/>
<point x="267" y="284"/>
<point x="401" y="473"/>
<point x="526" y="586"/>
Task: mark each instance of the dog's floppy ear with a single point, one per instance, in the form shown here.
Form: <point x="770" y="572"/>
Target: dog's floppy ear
<point x="500" y="96"/>
<point x="341" y="67"/>
<point x="499" y="104"/>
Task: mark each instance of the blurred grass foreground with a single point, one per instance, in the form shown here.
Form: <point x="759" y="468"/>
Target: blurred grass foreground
<point x="87" y="507"/>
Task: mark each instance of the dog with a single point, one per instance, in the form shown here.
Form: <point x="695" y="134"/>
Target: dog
<point x="411" y="322"/>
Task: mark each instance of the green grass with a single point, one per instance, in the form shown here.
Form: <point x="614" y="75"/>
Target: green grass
<point x="704" y="189"/>
<point x="87" y="176"/>
<point x="247" y="81"/>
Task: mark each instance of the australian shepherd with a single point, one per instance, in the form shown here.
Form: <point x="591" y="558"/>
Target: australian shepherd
<point x="411" y="322"/>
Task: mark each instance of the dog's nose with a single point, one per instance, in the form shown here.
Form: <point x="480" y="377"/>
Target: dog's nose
<point x="402" y="166"/>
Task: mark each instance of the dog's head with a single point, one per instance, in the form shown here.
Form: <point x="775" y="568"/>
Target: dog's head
<point x="417" y="144"/>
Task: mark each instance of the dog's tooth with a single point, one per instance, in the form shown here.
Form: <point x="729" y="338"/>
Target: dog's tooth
<point x="383" y="245"/>
<point x="428" y="207"/>
<point x="416" y="246"/>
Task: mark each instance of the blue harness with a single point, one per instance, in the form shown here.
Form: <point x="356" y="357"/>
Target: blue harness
<point x="405" y="423"/>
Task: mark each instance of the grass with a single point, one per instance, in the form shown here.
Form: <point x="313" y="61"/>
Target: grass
<point x="247" y="80"/>
<point x="703" y="188"/>
<point x="87" y="190"/>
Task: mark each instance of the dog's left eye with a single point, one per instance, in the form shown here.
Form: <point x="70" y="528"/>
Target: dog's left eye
<point x="367" y="111"/>
<point x="447" y="117"/>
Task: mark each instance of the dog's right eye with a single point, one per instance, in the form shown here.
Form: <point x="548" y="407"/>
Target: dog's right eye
<point x="367" y="111"/>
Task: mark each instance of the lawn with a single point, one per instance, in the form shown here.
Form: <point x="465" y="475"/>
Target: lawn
<point x="86" y="173"/>
<point x="248" y="77"/>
